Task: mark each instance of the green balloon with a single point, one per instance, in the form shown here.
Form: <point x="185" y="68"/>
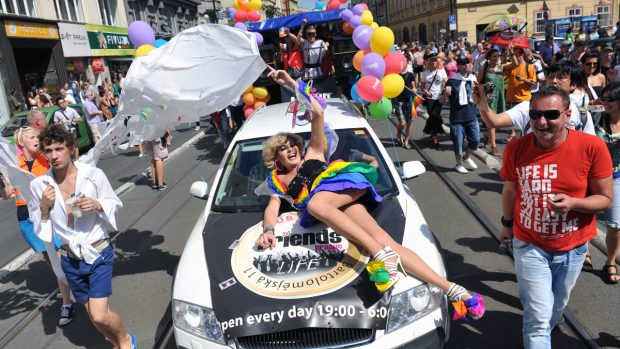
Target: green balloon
<point x="381" y="109"/>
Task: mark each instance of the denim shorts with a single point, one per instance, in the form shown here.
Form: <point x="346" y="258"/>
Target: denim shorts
<point x="611" y="216"/>
<point x="26" y="227"/>
<point x="461" y="130"/>
<point x="89" y="280"/>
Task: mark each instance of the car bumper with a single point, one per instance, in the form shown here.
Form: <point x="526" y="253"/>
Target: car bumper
<point x="431" y="331"/>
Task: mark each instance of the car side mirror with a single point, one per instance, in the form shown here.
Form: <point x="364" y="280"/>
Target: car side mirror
<point x="199" y="189"/>
<point x="412" y="169"/>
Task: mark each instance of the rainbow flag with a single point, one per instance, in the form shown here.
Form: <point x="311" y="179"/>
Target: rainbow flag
<point x="415" y="100"/>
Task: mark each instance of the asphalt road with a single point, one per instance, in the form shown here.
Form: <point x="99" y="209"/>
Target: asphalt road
<point x="149" y="246"/>
<point x="120" y="169"/>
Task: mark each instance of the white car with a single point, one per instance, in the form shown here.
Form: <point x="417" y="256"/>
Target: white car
<point x="311" y="290"/>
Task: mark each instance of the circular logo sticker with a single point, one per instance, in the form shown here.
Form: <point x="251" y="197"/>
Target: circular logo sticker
<point x="305" y="262"/>
<point x="12" y="28"/>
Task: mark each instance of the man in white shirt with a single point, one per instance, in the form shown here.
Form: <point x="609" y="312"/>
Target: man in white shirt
<point x="560" y="75"/>
<point x="66" y="116"/>
<point x="83" y="228"/>
<point x="64" y="93"/>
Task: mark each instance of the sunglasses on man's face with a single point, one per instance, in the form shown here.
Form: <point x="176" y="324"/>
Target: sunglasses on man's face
<point x="311" y="34"/>
<point x="548" y="114"/>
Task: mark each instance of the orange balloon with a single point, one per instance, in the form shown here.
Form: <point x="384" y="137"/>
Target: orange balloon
<point x="347" y="29"/>
<point x="357" y="59"/>
<point x="258" y="104"/>
<point x="249" y="99"/>
<point x="244" y="5"/>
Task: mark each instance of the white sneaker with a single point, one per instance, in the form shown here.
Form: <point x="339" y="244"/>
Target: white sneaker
<point x="460" y="169"/>
<point x="470" y="164"/>
<point x="197" y="128"/>
<point x="140" y="156"/>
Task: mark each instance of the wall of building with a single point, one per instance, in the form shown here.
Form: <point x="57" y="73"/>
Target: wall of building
<point x="45" y="9"/>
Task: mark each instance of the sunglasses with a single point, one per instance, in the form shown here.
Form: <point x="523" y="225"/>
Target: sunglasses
<point x="591" y="64"/>
<point x="548" y="114"/>
<point x="311" y="34"/>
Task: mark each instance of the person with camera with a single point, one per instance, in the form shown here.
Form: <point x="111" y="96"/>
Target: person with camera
<point x="463" y="118"/>
<point x="66" y="116"/>
<point x="491" y="77"/>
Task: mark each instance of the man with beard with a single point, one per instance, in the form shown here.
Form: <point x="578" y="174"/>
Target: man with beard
<point x="556" y="179"/>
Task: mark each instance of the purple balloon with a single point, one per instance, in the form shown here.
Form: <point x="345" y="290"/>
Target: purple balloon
<point x="259" y="38"/>
<point x="141" y="33"/>
<point x="374" y="65"/>
<point x="358" y="9"/>
<point x="346" y="15"/>
<point x="355" y="21"/>
<point x="241" y="26"/>
<point x="361" y="37"/>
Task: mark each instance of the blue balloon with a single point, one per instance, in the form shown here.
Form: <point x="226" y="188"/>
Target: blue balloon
<point x="159" y="43"/>
<point x="355" y="96"/>
<point x="231" y="13"/>
<point x="319" y="5"/>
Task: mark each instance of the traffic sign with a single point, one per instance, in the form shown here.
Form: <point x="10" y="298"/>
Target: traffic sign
<point x="452" y="22"/>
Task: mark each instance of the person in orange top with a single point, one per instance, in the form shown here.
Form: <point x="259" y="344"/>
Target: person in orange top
<point x="31" y="160"/>
<point x="521" y="77"/>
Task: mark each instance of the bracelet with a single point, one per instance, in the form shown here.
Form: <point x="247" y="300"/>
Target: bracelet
<point x="268" y="227"/>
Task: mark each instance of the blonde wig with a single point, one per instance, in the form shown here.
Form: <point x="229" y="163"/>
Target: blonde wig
<point x="270" y="148"/>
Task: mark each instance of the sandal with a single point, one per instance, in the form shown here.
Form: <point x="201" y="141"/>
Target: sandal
<point x="406" y="145"/>
<point x="472" y="306"/>
<point x="610" y="274"/>
<point x="383" y="273"/>
<point x="587" y="263"/>
<point x="494" y="151"/>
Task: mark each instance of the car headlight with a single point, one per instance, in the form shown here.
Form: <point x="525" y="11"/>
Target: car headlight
<point x="412" y="304"/>
<point x="197" y="320"/>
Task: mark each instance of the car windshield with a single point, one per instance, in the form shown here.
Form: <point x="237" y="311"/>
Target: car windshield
<point x="242" y="187"/>
<point x="13" y="124"/>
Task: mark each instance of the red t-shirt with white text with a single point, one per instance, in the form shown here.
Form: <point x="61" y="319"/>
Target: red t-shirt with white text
<point x="538" y="173"/>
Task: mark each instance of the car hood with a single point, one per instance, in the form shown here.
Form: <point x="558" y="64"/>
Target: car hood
<point x="312" y="278"/>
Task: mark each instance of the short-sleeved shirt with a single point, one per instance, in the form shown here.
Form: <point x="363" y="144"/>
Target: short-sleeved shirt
<point x="67" y="114"/>
<point x="520" y="116"/>
<point x="458" y="112"/>
<point x="565" y="169"/>
<point x="91" y="108"/>
<point x="408" y="78"/>
<point x="547" y="52"/>
<point x="540" y="75"/>
<point x="519" y="91"/>
<point x="434" y="83"/>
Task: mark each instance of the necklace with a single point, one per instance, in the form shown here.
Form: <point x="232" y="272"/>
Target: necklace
<point x="66" y="192"/>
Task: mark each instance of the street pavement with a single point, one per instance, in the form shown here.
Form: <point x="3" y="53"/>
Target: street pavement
<point x="158" y="223"/>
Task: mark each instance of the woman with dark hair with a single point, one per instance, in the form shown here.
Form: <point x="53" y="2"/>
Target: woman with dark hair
<point x="596" y="80"/>
<point x="492" y="77"/>
<point x="44" y="102"/>
<point x="609" y="132"/>
<point x="104" y="103"/>
<point x="32" y="103"/>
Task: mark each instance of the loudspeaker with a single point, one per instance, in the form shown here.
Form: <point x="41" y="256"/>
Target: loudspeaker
<point x="344" y="50"/>
<point x="268" y="53"/>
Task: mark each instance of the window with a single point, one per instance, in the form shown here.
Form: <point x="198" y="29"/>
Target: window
<point x="69" y="10"/>
<point x="18" y="7"/>
<point x="539" y="19"/>
<point x="107" y="10"/>
<point x="603" y="15"/>
<point x="574" y="12"/>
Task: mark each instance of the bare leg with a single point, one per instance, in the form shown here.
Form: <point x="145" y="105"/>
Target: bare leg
<point x="159" y="169"/>
<point x="108" y="322"/>
<point x="492" y="138"/>
<point x="399" y="131"/>
<point x="153" y="173"/>
<point x="64" y="289"/>
<point x="413" y="264"/>
<point x="612" y="240"/>
<point x="408" y="130"/>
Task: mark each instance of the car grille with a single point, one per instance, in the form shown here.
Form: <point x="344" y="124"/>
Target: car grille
<point x="308" y="338"/>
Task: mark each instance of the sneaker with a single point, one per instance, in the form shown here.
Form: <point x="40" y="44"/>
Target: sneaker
<point x="460" y="169"/>
<point x="140" y="156"/>
<point x="197" y="128"/>
<point x="470" y="164"/>
<point x="162" y="187"/>
<point x="66" y="315"/>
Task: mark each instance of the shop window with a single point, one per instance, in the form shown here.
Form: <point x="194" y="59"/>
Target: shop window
<point x="603" y="15"/>
<point x="107" y="10"/>
<point x="69" y="10"/>
<point x="18" y="7"/>
<point x="540" y="22"/>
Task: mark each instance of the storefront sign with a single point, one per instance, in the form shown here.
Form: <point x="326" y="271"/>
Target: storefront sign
<point x="109" y="41"/>
<point x="19" y="29"/>
<point x="74" y="40"/>
<point x="98" y="66"/>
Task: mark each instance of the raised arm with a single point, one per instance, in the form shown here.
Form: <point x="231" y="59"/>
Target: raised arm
<point x="300" y="39"/>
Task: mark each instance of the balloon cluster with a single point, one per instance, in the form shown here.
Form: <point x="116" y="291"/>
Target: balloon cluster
<point x="254" y="97"/>
<point x="245" y="10"/>
<point x="142" y="36"/>
<point x="376" y="60"/>
<point x="328" y="5"/>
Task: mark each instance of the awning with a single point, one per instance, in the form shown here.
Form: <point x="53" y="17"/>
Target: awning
<point x="293" y="21"/>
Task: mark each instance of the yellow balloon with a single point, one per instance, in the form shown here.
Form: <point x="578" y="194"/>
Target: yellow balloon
<point x="236" y="4"/>
<point x="260" y="92"/>
<point x="393" y="85"/>
<point x="144" y="49"/>
<point x="249" y="89"/>
<point x="374" y="25"/>
<point x="382" y="41"/>
<point x="256" y="4"/>
<point x="367" y="18"/>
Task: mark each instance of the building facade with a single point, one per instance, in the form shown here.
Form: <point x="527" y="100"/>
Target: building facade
<point x="428" y="20"/>
<point x="49" y="42"/>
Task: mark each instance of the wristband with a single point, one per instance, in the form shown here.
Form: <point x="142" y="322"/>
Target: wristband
<point x="507" y="222"/>
<point x="267" y="228"/>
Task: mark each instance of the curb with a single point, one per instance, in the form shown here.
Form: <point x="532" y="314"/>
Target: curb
<point x="29" y="255"/>
<point x="493" y="163"/>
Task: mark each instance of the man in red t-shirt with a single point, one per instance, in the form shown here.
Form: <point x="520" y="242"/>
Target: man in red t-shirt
<point x="556" y="180"/>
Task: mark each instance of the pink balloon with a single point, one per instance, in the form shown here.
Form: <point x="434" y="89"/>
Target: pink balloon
<point x="242" y="16"/>
<point x="395" y="62"/>
<point x="247" y="112"/>
<point x="373" y="65"/>
<point x="344" y="1"/>
<point x="370" y="88"/>
<point x="254" y="16"/>
<point x="361" y="37"/>
<point x="333" y="5"/>
<point x="359" y="9"/>
<point x="355" y="21"/>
